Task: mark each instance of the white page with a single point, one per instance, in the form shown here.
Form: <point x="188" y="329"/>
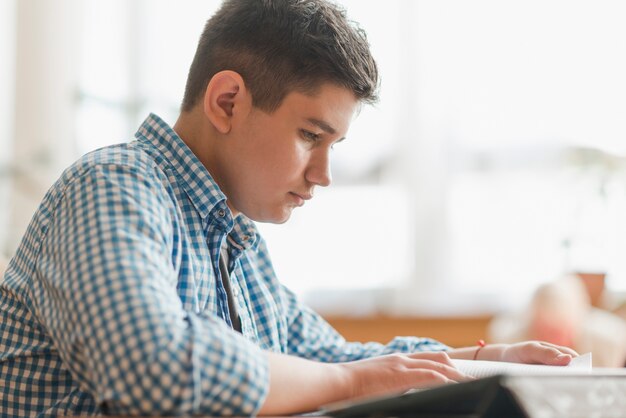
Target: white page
<point x="480" y="368"/>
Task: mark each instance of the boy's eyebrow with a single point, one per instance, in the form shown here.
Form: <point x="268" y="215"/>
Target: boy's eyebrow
<point x="322" y="125"/>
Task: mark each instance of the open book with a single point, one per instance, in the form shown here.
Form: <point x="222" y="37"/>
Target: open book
<point x="478" y="368"/>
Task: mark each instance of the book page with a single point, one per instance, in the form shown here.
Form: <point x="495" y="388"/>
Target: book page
<point x="480" y="368"/>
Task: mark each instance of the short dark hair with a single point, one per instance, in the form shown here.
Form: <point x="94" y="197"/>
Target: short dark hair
<point x="279" y="46"/>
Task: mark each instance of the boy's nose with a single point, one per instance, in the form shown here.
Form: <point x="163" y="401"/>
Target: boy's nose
<point x="319" y="171"/>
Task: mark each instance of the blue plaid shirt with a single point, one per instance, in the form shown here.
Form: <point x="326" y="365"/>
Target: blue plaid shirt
<point x="113" y="302"/>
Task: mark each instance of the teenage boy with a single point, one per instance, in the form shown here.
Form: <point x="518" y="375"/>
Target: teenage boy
<point x="142" y="285"/>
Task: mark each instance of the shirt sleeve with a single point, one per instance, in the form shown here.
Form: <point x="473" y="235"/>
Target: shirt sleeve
<point x="106" y="293"/>
<point x="310" y="336"/>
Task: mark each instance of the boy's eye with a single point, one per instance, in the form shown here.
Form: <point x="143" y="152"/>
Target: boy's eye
<point x="310" y="136"/>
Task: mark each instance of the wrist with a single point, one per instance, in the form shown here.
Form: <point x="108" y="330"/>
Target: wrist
<point x="346" y="381"/>
<point x="492" y="352"/>
<point x="481" y="345"/>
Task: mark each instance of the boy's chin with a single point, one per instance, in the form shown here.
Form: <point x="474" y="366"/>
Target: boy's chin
<point x="280" y="217"/>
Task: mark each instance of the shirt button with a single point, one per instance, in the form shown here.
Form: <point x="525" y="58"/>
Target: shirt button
<point x="221" y="213"/>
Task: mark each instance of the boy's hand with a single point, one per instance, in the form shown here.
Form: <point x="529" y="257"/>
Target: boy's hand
<point x="401" y="372"/>
<point x="300" y="385"/>
<point x="533" y="352"/>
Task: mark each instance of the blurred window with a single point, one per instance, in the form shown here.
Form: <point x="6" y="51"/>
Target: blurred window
<point x="529" y="99"/>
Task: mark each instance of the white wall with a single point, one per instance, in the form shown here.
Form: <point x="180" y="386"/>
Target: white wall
<point x="46" y="46"/>
<point x="7" y="80"/>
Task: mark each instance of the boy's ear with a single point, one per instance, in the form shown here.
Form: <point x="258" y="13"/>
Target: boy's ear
<point x="225" y="96"/>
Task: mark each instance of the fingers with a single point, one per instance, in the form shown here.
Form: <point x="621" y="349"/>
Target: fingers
<point x="556" y="355"/>
<point x="438" y="362"/>
<point x="547" y="353"/>
<point x="435" y="369"/>
<point x="562" y="349"/>
<point x="425" y="378"/>
<point x="438" y="356"/>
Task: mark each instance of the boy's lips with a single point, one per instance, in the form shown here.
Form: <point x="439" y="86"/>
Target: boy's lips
<point x="301" y="197"/>
<point x="304" y="196"/>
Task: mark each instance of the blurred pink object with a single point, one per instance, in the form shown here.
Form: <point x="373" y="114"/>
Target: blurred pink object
<point x="561" y="312"/>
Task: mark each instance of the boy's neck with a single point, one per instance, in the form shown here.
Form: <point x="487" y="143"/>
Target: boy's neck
<point x="199" y="135"/>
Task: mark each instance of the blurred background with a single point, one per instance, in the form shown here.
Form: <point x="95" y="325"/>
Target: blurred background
<point x="494" y="163"/>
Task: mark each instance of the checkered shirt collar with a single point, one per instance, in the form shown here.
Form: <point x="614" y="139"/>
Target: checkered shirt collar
<point x="195" y="180"/>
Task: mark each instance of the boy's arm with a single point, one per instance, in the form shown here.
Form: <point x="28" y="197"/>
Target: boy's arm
<point x="310" y="336"/>
<point x="105" y="294"/>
